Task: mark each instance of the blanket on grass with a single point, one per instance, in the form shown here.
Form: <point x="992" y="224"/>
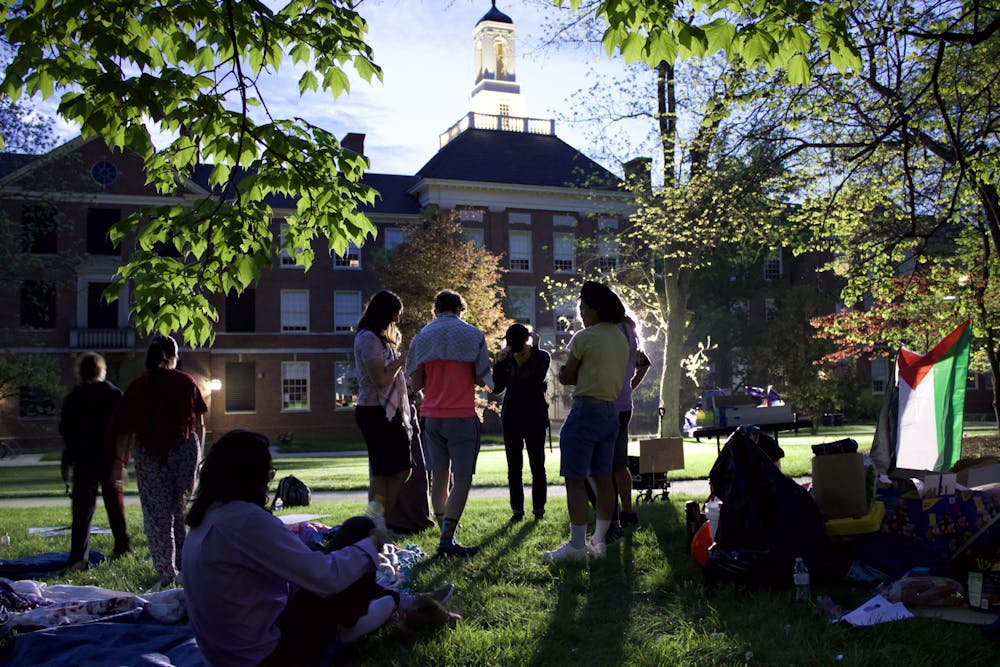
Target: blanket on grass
<point x="41" y="565"/>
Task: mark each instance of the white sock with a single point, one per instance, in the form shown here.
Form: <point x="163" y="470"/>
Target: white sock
<point x="600" y="530"/>
<point x="379" y="612"/>
<point x="578" y="535"/>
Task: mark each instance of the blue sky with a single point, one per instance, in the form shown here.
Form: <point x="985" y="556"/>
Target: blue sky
<point x="425" y="50"/>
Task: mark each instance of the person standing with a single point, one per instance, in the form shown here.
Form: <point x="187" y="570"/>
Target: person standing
<point x="520" y="373"/>
<point x="598" y="355"/>
<point x="383" y="409"/>
<point x="83" y="423"/>
<point x="164" y="412"/>
<point x="448" y="360"/>
<point x="635" y="370"/>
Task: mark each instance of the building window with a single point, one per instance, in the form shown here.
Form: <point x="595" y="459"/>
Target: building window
<point x="38" y="228"/>
<point x="520" y="251"/>
<point x="345" y="384"/>
<point x="294" y="310"/>
<point x="241" y="386"/>
<point x="519" y="218"/>
<point x="564" y="252"/>
<point x="287" y="260"/>
<point x="607" y="245"/>
<point x="521" y="304"/>
<point x="346" y="311"/>
<point x="880" y="375"/>
<point x="294" y="386"/>
<point x="475" y="234"/>
<point x="38" y="304"/>
<point x="504" y="109"/>
<point x="104" y="173"/>
<point x="470" y="214"/>
<point x="740" y="308"/>
<point x="100" y="313"/>
<point x="395" y="237"/>
<point x="241" y="312"/>
<point x="772" y="266"/>
<point x="351" y="259"/>
<point x="770" y="310"/>
<point x="564" y="221"/>
<point x="34" y="403"/>
<point x="566" y="316"/>
<point x="99" y="224"/>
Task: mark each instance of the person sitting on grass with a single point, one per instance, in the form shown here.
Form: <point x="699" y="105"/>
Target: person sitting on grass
<point x="255" y="593"/>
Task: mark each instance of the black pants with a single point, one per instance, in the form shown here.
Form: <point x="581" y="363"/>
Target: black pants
<point x="86" y="478"/>
<point x="515" y="440"/>
<point x="309" y="623"/>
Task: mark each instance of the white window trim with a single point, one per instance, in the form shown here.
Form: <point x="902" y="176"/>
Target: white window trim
<point x="523" y="294"/>
<point x="394" y="230"/>
<point x="556" y="256"/>
<point x="338" y="295"/>
<point x="351" y="250"/>
<point x="308" y="406"/>
<point x="285" y="259"/>
<point x="512" y="234"/>
<point x="282" y="311"/>
<point x="353" y="370"/>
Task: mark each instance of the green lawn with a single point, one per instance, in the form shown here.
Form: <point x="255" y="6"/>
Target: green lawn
<point x="645" y="604"/>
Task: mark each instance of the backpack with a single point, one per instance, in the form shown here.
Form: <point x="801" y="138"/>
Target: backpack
<point x="293" y="492"/>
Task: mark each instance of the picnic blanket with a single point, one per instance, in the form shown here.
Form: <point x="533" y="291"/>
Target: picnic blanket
<point x="41" y="565"/>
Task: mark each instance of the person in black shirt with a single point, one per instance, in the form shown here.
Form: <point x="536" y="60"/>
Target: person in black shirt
<point x="520" y="373"/>
<point x="83" y="424"/>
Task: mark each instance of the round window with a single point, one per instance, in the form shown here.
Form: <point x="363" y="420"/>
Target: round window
<point x="104" y="173"/>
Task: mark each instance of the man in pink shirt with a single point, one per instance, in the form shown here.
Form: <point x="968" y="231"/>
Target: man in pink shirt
<point x="448" y="360"/>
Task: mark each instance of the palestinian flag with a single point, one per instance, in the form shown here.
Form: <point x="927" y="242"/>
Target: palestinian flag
<point x="932" y="403"/>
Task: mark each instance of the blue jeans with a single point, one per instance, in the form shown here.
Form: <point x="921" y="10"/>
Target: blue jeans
<point x="587" y="438"/>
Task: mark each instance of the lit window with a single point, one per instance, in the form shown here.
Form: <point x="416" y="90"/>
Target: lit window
<point x="351" y="259"/>
<point x="395" y="237"/>
<point x="294" y="386"/>
<point x="564" y="252"/>
<point x="521" y="304"/>
<point x="346" y="383"/>
<point x="520" y="251"/>
<point x="772" y="266"/>
<point x="294" y="310"/>
<point x="474" y="234"/>
<point x="346" y="311"/>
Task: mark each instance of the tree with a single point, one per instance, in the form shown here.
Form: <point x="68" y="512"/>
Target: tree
<point x="192" y="70"/>
<point x="772" y="33"/>
<point x="434" y="257"/>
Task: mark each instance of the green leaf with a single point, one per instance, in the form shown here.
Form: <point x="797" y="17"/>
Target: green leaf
<point x="798" y="70"/>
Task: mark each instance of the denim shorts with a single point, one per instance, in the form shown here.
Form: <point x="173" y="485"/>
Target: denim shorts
<point x="452" y="441"/>
<point x="587" y="438"/>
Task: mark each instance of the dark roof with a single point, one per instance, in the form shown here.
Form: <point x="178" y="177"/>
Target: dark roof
<point x="11" y="162"/>
<point x="495" y="15"/>
<point x="518" y="158"/>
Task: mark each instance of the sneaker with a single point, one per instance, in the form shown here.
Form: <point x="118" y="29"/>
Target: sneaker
<point x="566" y="552"/>
<point x="597" y="549"/>
<point x="517" y="517"/>
<point x="456" y="549"/>
<point x="614" y="536"/>
<point x="442" y="594"/>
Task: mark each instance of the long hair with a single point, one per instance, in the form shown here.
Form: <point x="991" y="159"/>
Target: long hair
<point x="237" y="467"/>
<point x="380" y="314"/>
<point x="603" y="299"/>
<point x="160" y="351"/>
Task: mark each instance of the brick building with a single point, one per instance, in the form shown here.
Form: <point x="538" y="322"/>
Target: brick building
<point x="282" y="360"/>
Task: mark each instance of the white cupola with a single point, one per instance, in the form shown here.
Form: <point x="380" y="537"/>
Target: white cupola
<point x="496" y="91"/>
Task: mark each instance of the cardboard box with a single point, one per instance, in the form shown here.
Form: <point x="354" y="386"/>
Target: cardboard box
<point x="984" y="584"/>
<point x="838" y="485"/>
<point x="979" y="475"/>
<point x="661" y="455"/>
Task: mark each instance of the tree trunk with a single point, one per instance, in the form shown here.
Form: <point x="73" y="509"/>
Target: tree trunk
<point x="675" y="297"/>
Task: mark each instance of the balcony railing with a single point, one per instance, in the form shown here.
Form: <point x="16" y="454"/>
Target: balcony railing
<point x="102" y="339"/>
<point x="482" y="121"/>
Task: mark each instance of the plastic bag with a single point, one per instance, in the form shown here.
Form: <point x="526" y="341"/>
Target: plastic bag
<point x="925" y="591"/>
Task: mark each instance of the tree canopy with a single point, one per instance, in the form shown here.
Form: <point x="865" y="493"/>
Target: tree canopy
<point x="193" y="70"/>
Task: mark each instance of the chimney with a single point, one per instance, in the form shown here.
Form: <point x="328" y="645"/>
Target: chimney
<point x="354" y="141"/>
<point x="638" y="172"/>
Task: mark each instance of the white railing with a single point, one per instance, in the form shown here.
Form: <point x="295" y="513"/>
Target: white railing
<point x="484" y="121"/>
<point x="102" y="339"/>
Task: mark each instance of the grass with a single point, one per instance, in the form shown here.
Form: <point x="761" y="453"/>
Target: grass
<point x="351" y="473"/>
<point x="645" y="604"/>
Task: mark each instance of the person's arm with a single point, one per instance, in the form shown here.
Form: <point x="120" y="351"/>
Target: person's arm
<point x="641" y="368"/>
<point x="569" y="373"/>
<point x="199" y="427"/>
<point x="501" y="371"/>
<point x="384" y="373"/>
<point x="417" y="379"/>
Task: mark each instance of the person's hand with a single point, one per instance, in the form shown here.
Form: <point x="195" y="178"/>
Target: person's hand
<point x="503" y="354"/>
<point x="402" y="359"/>
<point x="522" y="356"/>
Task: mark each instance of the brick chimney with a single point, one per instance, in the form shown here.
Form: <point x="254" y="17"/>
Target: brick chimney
<point x="354" y="141"/>
<point x="638" y="172"/>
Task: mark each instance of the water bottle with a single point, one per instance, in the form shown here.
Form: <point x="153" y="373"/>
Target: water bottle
<point x="800" y="577"/>
<point x="5" y="539"/>
<point x="279" y="504"/>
